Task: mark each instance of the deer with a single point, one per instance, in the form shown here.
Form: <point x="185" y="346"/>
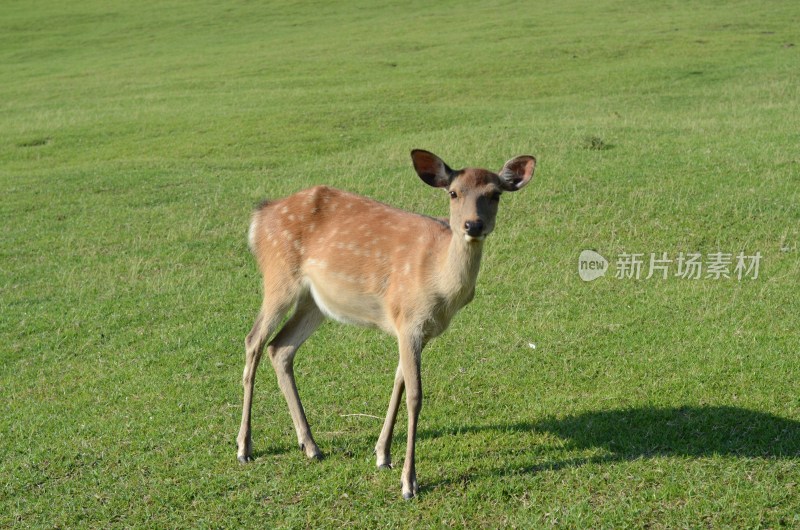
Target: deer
<point x="326" y="253"/>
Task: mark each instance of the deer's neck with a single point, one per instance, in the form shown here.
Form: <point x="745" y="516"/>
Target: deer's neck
<point x="459" y="270"/>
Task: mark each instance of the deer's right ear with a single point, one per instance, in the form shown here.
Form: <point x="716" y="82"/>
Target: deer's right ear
<point x="431" y="169"/>
<point x="517" y="172"/>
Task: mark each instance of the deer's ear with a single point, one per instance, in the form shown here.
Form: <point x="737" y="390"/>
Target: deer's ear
<point x="517" y="172"/>
<point x="431" y="169"/>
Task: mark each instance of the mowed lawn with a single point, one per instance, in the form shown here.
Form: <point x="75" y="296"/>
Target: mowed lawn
<point x="135" y="138"/>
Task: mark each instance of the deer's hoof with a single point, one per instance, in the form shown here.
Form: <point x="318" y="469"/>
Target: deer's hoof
<point x="410" y="488"/>
<point x="312" y="452"/>
<point x="244" y="459"/>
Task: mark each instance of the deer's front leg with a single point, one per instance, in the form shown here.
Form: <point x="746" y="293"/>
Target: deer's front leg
<point x="410" y="353"/>
<point x="383" y="449"/>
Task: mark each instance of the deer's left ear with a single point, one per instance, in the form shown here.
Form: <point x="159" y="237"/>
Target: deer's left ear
<point x="431" y="168"/>
<point x="517" y="172"/>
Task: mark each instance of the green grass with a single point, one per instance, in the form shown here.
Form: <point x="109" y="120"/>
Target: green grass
<point x="136" y="137"/>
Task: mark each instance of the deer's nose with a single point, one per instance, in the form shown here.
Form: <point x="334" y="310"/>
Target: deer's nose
<point x="474" y="228"/>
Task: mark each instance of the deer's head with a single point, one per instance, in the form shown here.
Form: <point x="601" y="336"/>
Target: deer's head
<point x="474" y="193"/>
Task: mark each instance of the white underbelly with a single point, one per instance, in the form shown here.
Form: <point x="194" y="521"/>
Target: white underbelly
<point x="362" y="309"/>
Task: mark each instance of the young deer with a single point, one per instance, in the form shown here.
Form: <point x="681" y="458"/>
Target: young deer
<point x="328" y="253"/>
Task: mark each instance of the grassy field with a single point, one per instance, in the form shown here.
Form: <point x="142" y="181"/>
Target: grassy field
<point x="136" y="137"/>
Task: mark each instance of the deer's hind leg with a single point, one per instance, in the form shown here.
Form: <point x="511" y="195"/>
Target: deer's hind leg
<point x="306" y="318"/>
<point x="278" y="298"/>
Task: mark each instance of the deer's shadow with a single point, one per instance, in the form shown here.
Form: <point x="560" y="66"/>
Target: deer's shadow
<point x="649" y="432"/>
<point x="624" y="435"/>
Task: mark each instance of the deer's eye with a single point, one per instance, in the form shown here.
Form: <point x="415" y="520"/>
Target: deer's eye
<point x="453" y="195"/>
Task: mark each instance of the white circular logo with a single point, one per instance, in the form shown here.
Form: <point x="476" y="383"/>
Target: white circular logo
<point x="591" y="265"/>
